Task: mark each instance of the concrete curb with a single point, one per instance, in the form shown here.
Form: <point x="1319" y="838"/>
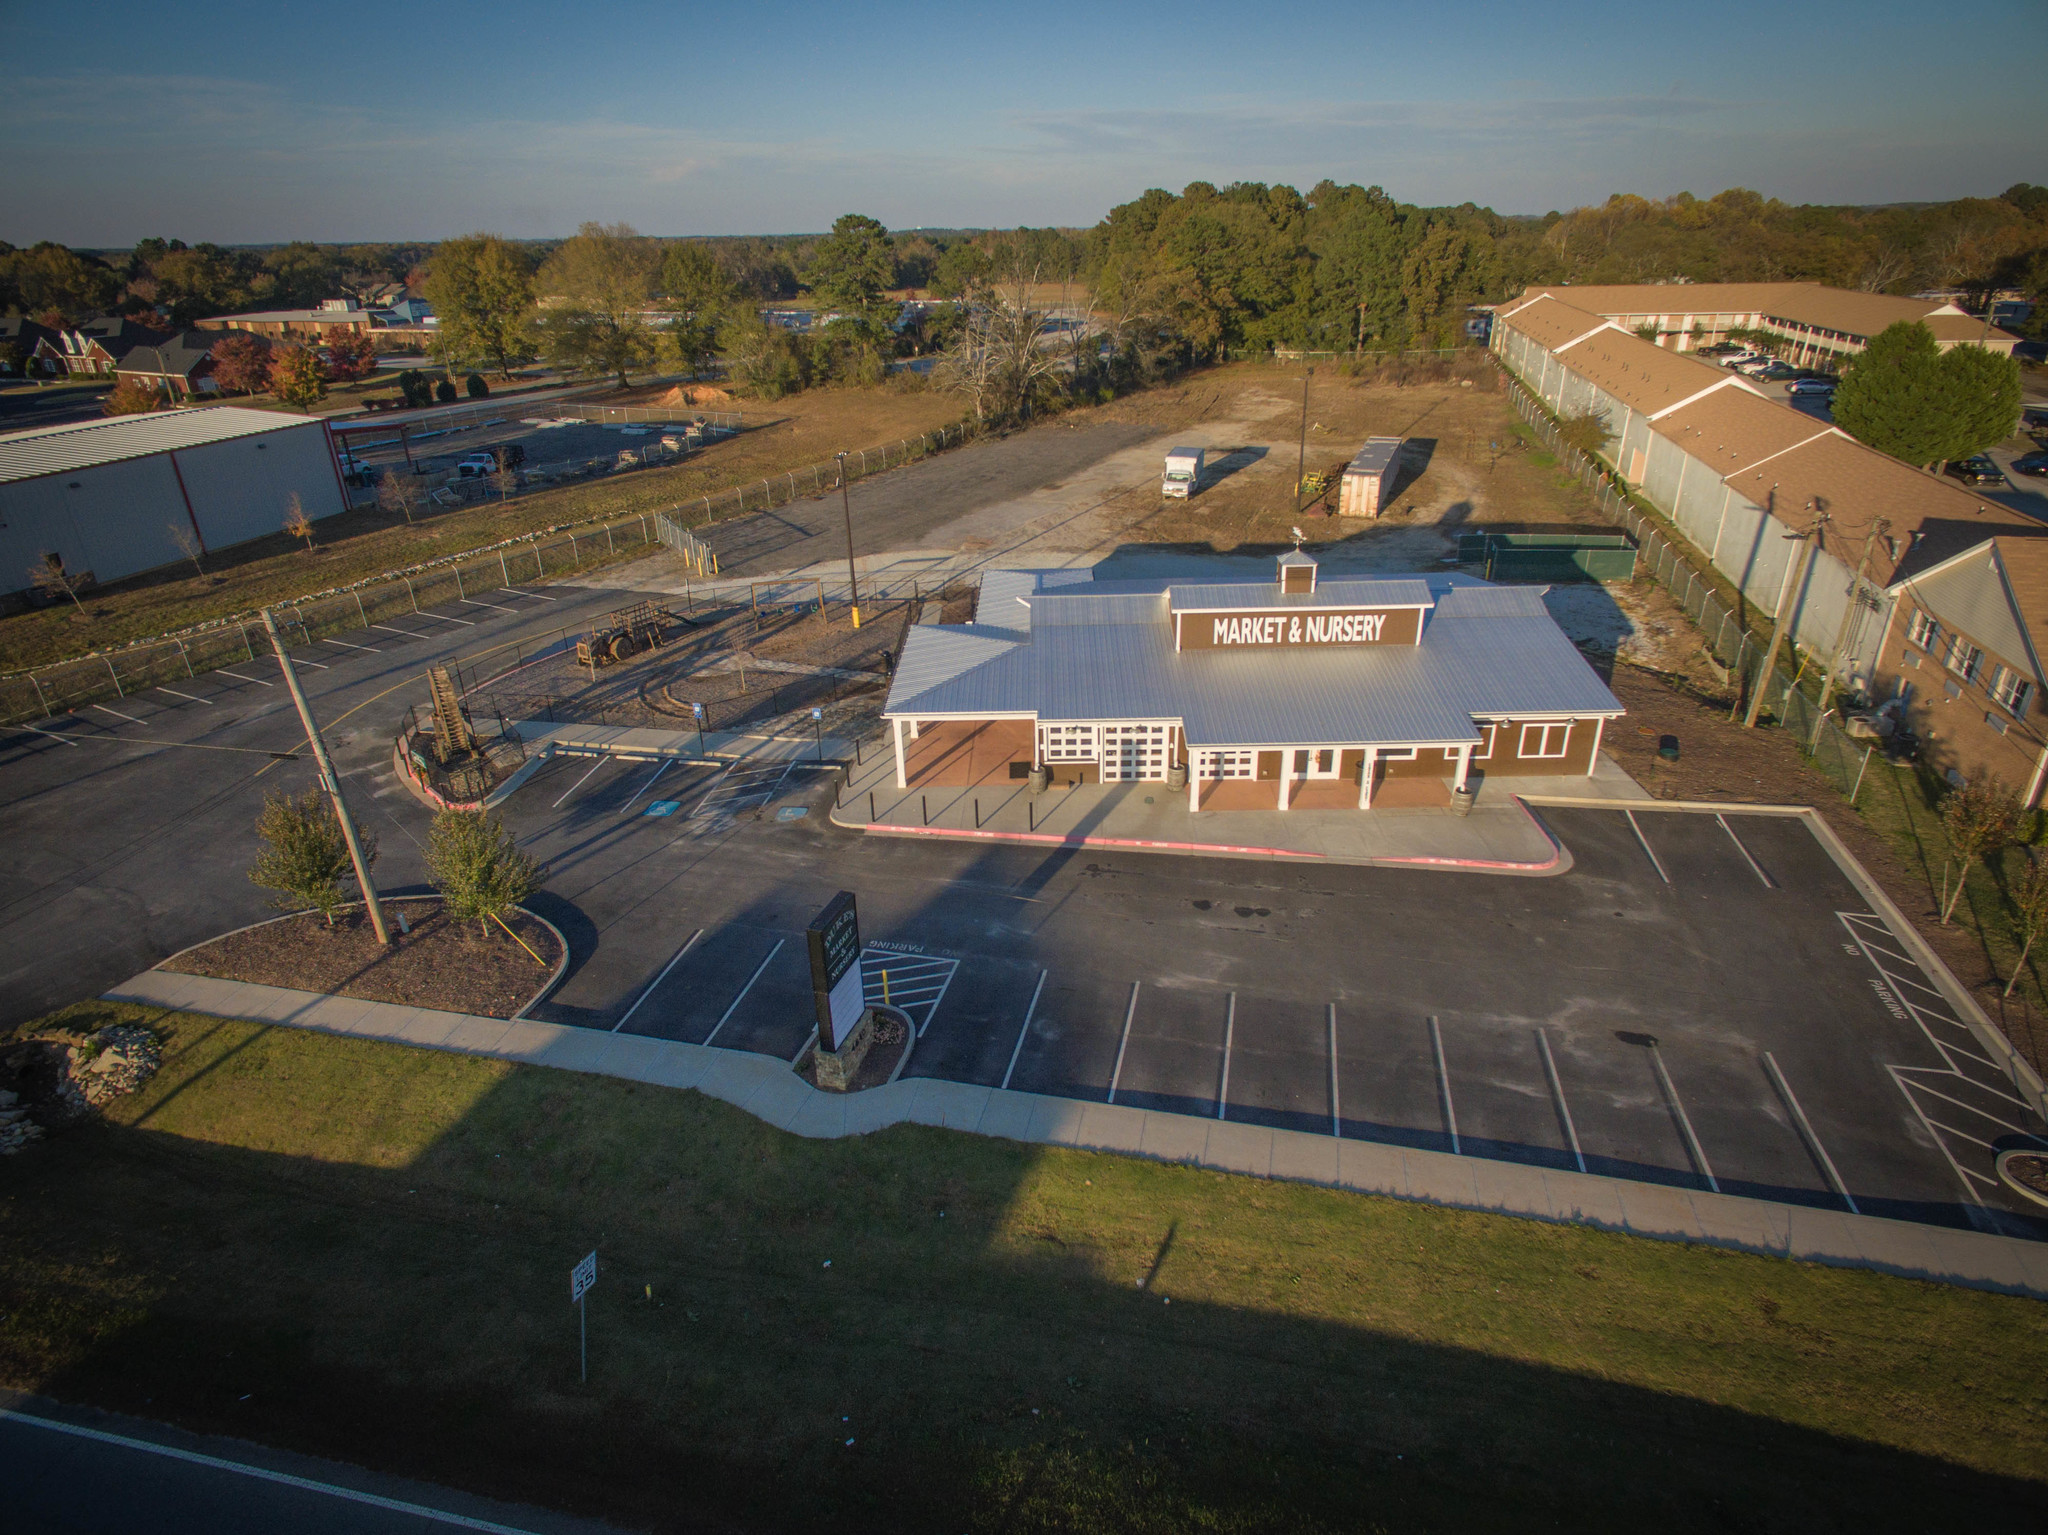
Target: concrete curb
<point x="767" y="1088"/>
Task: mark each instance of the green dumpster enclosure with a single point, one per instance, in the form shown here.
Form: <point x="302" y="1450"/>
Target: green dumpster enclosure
<point x="1549" y="556"/>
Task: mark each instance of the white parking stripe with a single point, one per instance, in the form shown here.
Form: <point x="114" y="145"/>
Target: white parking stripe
<point x="224" y="672"/>
<point x="443" y="618"/>
<point x="498" y="605"/>
<point x="1021" y="1033"/>
<point x="736" y="1001"/>
<point x="579" y="783"/>
<point x="1692" y="1142"/>
<point x="659" y="978"/>
<point x="1336" y="1113"/>
<point x="55" y="735"/>
<point x="131" y="719"/>
<point x="1744" y="852"/>
<point x="667" y="763"/>
<point x="1645" y="841"/>
<point x="1806" y="1133"/>
<point x="538" y="596"/>
<point x="1229" y="1033"/>
<point x="401" y="633"/>
<point x="347" y="645"/>
<point x="1116" y="1074"/>
<point x="188" y="697"/>
<point x="1564" y="1111"/>
<point x="1443" y="1082"/>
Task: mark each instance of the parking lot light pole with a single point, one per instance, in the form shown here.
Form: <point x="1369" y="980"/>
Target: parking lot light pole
<point x="1301" y="452"/>
<point x="330" y="781"/>
<point x="852" y="580"/>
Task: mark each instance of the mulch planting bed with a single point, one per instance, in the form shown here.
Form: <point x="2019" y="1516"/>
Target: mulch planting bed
<point x="440" y="963"/>
<point x="892" y="1038"/>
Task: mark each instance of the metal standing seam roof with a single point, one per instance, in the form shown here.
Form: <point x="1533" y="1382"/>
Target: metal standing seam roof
<point x="1486" y="651"/>
<point x="83" y="445"/>
<point x="1332" y="593"/>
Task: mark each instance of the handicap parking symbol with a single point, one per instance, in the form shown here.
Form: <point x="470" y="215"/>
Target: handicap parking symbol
<point x="663" y="807"/>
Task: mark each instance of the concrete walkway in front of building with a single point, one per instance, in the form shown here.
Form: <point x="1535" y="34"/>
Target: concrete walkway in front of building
<point x="768" y="1089"/>
<point x="1499" y="836"/>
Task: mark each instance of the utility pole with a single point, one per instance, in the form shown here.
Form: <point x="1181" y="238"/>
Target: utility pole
<point x="852" y="580"/>
<point x="1827" y="682"/>
<point x="329" y="781"/>
<point x="1301" y="454"/>
<point x="1790" y="601"/>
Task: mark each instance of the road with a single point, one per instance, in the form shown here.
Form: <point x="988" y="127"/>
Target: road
<point x="67" y="1471"/>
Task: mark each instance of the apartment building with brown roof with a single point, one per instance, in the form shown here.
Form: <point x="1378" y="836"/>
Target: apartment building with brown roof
<point x="1961" y="661"/>
<point x="1744" y="476"/>
<point x="1819" y="326"/>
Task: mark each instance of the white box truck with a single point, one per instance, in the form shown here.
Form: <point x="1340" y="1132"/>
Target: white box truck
<point x="1183" y="473"/>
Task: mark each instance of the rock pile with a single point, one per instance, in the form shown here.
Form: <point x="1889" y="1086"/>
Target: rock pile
<point x="16" y="1128"/>
<point x="117" y="1060"/>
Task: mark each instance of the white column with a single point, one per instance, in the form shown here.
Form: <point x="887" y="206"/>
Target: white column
<point x="1593" y="762"/>
<point x="1465" y="764"/>
<point x="1372" y="762"/>
<point x="913" y="730"/>
<point x="1195" y="781"/>
<point x="902" y="777"/>
<point x="1286" y="776"/>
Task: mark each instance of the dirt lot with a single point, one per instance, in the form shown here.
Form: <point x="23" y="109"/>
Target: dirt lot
<point x="439" y="963"/>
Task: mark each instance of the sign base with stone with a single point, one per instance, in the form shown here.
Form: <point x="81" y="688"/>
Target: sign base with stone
<point x="836" y="1069"/>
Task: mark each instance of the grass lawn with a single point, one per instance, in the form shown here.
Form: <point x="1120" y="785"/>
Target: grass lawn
<point x="363" y="1250"/>
<point x="352" y="546"/>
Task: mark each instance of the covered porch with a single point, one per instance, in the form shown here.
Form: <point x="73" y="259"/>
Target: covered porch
<point x="1333" y="777"/>
<point x="962" y="753"/>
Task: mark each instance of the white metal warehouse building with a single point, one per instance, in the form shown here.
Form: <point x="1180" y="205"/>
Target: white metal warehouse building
<point x="107" y="495"/>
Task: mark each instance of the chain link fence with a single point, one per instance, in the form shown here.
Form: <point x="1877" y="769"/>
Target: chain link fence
<point x="1731" y="629"/>
<point x="552" y="554"/>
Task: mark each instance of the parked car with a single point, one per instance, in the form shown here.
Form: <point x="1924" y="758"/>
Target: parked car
<point x="2031" y="463"/>
<point x="1718" y="349"/>
<point x="353" y="469"/>
<point x="1777" y="372"/>
<point x="2034" y="415"/>
<point x="1977" y="471"/>
<point x="1820" y="386"/>
<point x="488" y="461"/>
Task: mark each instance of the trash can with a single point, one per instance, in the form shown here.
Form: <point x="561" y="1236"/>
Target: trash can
<point x="1177" y="776"/>
<point x="1041" y="779"/>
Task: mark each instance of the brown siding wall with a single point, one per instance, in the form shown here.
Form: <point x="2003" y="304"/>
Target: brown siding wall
<point x="1507" y="760"/>
<point x="1952" y="731"/>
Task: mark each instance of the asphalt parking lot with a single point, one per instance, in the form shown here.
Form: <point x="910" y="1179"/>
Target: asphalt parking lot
<point x="1703" y="1001"/>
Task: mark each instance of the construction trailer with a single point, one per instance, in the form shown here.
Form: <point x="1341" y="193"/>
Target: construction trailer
<point x="1368" y="480"/>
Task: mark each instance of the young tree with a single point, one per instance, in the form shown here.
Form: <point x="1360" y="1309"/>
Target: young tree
<point x="1980" y="819"/>
<point x="1587" y="431"/>
<point x="296" y="522"/>
<point x="697" y="283"/>
<point x="49" y="577"/>
<point x="417" y="388"/>
<point x="398" y="493"/>
<point x="2030" y="906"/>
<point x="760" y="357"/>
<point x="1985" y="398"/>
<point x="481" y="287"/>
<point x="298" y="378"/>
<point x="478" y="867"/>
<point x="603" y="280"/>
<point x="241" y="362"/>
<point x="305" y="857"/>
<point x="188" y="544"/>
<point x="505" y="481"/>
<point x="350" y="354"/>
<point x="131" y="398"/>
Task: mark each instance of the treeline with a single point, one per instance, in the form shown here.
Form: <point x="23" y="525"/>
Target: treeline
<point x="168" y="282"/>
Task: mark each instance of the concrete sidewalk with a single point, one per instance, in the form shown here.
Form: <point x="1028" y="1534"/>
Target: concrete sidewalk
<point x="769" y="1090"/>
<point x="1500" y="836"/>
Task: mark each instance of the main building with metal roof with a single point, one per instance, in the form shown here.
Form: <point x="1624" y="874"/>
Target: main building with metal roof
<point x="1280" y="694"/>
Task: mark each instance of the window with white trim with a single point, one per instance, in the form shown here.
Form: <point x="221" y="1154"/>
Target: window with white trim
<point x="1225" y="764"/>
<point x="1398" y="754"/>
<point x="2011" y="691"/>
<point x="1922" y="630"/>
<point x="1542" y="739"/>
<point x="1484" y="750"/>
<point x="1134" y="753"/>
<point x="1964" y="658"/>
<point x="1067" y="743"/>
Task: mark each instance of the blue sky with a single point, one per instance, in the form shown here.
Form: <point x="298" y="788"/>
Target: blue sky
<point x="296" y="120"/>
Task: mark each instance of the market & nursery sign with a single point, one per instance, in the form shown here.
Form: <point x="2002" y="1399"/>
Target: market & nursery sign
<point x="1265" y="628"/>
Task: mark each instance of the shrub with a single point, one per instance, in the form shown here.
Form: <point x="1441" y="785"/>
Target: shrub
<point x="132" y="399"/>
<point x="478" y="867"/>
<point x="476" y="386"/>
<point x="305" y="859"/>
<point x="413" y="384"/>
<point x="445" y="391"/>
